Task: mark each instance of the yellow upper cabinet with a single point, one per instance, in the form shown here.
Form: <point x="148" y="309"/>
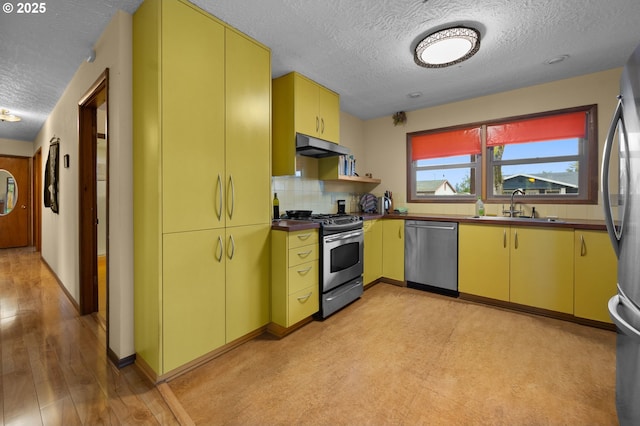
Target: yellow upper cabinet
<point x="303" y="106"/>
<point x="248" y="131"/>
<point x="595" y="274"/>
<point x="193" y="128"/>
<point x="483" y="261"/>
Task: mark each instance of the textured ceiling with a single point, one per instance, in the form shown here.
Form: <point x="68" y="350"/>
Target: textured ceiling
<point x="359" y="48"/>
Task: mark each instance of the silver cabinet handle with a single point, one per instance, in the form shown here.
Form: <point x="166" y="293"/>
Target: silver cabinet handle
<point x="303" y="299"/>
<point x="400" y="232"/>
<point x="219" y="212"/>
<point x="504" y="238"/>
<point x="516" y="240"/>
<point x="304" y="253"/>
<point x="317" y="123"/>
<point x="322" y="125"/>
<point x="583" y="246"/>
<point x="304" y="271"/>
<point x="304" y="237"/>
<point x="233" y="196"/>
<point x="219" y="257"/>
<point x="232" y="243"/>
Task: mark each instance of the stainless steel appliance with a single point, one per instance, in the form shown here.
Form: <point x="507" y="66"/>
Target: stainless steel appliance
<point x="431" y="256"/>
<point x="624" y="307"/>
<point x="341" y="260"/>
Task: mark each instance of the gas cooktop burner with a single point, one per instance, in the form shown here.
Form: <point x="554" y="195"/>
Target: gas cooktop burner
<point x="334" y="219"/>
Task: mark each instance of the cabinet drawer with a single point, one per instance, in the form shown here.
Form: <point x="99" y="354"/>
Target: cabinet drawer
<point x="302" y="276"/>
<point x="303" y="238"/>
<point x="303" y="254"/>
<point x="303" y="304"/>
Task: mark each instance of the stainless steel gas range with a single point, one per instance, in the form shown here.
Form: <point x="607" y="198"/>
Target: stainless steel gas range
<point x="341" y="260"/>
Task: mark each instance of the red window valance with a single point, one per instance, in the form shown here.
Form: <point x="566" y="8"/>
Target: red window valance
<point x="445" y="144"/>
<point x="562" y="126"/>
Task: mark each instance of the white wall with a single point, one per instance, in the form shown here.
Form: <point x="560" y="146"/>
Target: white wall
<point x="16" y="148"/>
<point x="60" y="231"/>
<point x="386" y="144"/>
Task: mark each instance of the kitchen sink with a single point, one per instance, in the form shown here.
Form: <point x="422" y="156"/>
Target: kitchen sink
<point x="518" y="219"/>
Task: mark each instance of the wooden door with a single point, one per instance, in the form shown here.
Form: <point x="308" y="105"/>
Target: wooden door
<point x="15" y="195"/>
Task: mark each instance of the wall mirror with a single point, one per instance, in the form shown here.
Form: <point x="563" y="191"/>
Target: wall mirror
<point x="8" y="192"/>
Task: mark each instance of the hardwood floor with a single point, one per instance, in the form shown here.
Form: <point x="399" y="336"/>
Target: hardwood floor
<point x="53" y="363"/>
<point x="396" y="356"/>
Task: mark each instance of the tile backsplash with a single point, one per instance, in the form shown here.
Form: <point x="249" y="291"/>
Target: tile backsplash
<point x="298" y="193"/>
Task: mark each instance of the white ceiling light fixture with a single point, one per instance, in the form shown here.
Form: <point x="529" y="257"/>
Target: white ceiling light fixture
<point x="447" y="47"/>
<point x="5" y="116"/>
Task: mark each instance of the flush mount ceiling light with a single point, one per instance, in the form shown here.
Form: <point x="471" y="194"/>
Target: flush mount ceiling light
<point x="5" y="116"/>
<point x="447" y="47"/>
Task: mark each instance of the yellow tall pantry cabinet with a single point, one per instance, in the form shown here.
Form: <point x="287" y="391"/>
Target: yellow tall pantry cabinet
<point x="202" y="106"/>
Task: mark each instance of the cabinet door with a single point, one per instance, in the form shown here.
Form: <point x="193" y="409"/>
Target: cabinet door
<point x="372" y="250"/>
<point x="542" y="268"/>
<point x="193" y="295"/>
<point x="329" y="112"/>
<point x="248" y="131"/>
<point x="248" y="272"/>
<point x="483" y="261"/>
<point x="393" y="249"/>
<point x="192" y="119"/>
<point x="595" y="274"/>
<point x="306" y="119"/>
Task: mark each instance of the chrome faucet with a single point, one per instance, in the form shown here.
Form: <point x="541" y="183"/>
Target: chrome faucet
<point x="512" y="208"/>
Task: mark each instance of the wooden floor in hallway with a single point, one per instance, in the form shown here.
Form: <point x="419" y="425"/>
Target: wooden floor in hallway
<point x="53" y="362"/>
<point x="397" y="356"/>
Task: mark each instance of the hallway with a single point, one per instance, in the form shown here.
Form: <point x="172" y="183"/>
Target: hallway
<point x="54" y="365"/>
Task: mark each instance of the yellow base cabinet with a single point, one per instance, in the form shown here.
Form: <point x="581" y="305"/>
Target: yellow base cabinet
<point x="393" y="249"/>
<point x="483" y="260"/>
<point x="294" y="276"/>
<point x="201" y="114"/>
<point x="372" y="250"/>
<point x="541" y="268"/>
<point x="595" y="274"/>
<point x="301" y="105"/>
<point x="193" y="295"/>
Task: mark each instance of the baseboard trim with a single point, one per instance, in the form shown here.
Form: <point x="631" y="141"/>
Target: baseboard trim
<point x="155" y="378"/>
<point x="120" y="363"/>
<point x="280" y="331"/>
<point x="64" y="289"/>
<point x="536" y="311"/>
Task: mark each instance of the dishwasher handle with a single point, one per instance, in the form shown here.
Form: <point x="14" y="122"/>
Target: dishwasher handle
<point x="438" y="227"/>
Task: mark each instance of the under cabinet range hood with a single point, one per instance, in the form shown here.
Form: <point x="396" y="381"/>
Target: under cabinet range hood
<point x="318" y="148"/>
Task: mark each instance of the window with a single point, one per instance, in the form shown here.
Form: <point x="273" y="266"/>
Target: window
<point x="547" y="155"/>
<point x="552" y="156"/>
<point x="444" y="164"/>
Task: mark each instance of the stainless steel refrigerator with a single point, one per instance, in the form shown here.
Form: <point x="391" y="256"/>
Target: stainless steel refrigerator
<point x="622" y="215"/>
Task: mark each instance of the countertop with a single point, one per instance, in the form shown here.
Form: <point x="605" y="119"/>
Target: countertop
<point x="596" y="225"/>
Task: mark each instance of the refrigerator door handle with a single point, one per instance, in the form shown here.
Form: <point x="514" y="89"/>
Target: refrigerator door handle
<point x="620" y="322"/>
<point x="614" y="234"/>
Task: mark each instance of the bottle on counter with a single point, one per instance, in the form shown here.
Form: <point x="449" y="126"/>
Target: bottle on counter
<point x="276" y="207"/>
<point x="479" y="207"/>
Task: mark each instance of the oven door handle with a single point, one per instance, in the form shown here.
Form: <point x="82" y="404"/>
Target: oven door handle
<point x="345" y="290"/>
<point x="343" y="236"/>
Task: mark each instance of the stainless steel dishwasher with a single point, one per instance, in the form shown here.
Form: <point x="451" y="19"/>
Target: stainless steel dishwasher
<point x="431" y="256"/>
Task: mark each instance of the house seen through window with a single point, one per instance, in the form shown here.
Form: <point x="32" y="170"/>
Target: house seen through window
<point x="550" y="156"/>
